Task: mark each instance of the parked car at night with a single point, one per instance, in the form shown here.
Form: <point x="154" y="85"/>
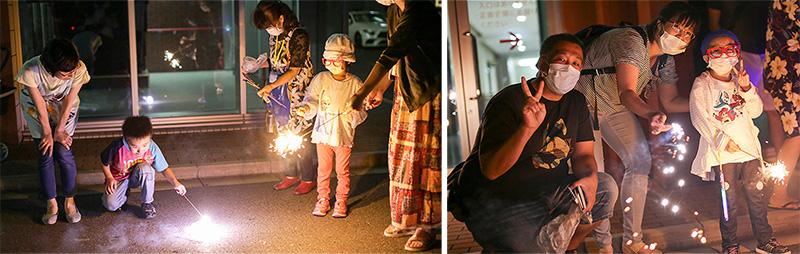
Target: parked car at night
<point x="367" y="28"/>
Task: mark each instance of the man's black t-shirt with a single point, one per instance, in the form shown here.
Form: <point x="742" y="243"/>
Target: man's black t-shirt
<point x="543" y="162"/>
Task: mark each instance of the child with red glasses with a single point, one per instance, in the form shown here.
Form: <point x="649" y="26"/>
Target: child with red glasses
<point x="334" y="128"/>
<point x="722" y="104"/>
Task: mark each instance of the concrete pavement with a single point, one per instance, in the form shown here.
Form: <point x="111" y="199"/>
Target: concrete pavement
<point x="255" y="218"/>
<point x="671" y="231"/>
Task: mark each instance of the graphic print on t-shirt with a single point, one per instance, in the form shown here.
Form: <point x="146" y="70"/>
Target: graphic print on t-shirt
<point x="555" y="147"/>
<point x="728" y="107"/>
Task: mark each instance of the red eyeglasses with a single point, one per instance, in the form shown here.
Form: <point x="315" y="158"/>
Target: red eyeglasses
<point x="717" y="52"/>
<point x="335" y="62"/>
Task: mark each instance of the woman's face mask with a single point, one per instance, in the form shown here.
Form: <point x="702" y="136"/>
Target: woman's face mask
<point x="671" y="44"/>
<point x="722" y="65"/>
<point x="561" y="78"/>
<point x="274" y="31"/>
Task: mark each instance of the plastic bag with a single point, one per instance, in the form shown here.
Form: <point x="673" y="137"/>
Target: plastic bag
<point x="554" y="237"/>
<point x="250" y="64"/>
<point x="279" y="105"/>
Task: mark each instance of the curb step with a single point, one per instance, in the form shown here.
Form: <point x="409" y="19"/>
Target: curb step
<point x="195" y="171"/>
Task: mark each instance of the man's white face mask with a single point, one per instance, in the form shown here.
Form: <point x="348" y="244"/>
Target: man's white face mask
<point x="561" y="78"/>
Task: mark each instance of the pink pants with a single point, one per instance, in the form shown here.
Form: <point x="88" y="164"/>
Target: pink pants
<point x="325" y="156"/>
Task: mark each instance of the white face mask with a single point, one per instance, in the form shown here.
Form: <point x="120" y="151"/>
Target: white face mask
<point x="385" y="2"/>
<point x="334" y="69"/>
<point x="561" y="78"/>
<point x="274" y="31"/>
<point x="671" y="44"/>
<point x="722" y="65"/>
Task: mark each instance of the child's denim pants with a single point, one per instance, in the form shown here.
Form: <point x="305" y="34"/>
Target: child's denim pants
<point x="142" y="175"/>
<point x="749" y="177"/>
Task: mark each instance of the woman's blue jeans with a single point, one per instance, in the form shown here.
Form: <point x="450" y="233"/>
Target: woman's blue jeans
<point x="47" y="172"/>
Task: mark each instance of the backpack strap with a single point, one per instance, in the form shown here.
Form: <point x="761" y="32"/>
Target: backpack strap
<point x="608" y="70"/>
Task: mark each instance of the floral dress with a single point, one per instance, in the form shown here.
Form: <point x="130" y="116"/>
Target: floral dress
<point x="782" y="63"/>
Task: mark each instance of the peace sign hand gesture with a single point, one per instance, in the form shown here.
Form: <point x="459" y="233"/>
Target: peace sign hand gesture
<point x="534" y="111"/>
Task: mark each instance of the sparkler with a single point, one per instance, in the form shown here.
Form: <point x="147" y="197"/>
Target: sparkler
<point x="203" y="230"/>
<point x="253" y="84"/>
<point x="777" y="171"/>
<point x="195" y="208"/>
<point x="287" y="143"/>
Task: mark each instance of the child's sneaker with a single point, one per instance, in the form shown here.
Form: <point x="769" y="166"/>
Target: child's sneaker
<point x="731" y="249"/>
<point x="340" y="210"/>
<point x="149" y="210"/>
<point x="322" y="207"/>
<point x="773" y="246"/>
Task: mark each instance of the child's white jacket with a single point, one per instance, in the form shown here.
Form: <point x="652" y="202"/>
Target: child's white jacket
<point x="721" y="111"/>
<point x="327" y="98"/>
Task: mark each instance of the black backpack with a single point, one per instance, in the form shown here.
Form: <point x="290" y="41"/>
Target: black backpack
<point x="589" y="34"/>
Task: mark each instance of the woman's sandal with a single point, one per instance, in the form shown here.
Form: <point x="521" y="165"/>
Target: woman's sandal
<point x="786" y="206"/>
<point x="393" y="231"/>
<point x="637" y="247"/>
<point x="425" y="238"/>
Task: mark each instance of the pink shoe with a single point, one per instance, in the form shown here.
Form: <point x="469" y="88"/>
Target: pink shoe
<point x="286" y="183"/>
<point x="340" y="209"/>
<point x="322" y="207"/>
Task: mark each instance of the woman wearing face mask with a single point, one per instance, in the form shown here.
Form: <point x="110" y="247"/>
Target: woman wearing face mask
<point x="414" y="56"/>
<point x="615" y="102"/>
<point x="290" y="69"/>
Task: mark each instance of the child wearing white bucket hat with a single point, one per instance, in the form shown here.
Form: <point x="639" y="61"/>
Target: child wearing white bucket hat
<point x="334" y="128"/>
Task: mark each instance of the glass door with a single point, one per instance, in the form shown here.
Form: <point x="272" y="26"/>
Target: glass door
<point x="493" y="44"/>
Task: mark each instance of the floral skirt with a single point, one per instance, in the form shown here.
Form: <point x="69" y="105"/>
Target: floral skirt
<point x="415" y="175"/>
<point x="782" y="65"/>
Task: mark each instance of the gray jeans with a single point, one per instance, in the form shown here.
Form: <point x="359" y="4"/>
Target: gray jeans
<point x="622" y="132"/>
<point x="142" y="175"/>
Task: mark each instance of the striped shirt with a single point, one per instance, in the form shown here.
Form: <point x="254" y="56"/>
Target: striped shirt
<point x="620" y="46"/>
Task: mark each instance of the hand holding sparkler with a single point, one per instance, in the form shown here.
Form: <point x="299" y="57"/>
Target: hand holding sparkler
<point x="180" y="189"/>
<point x="657" y="125"/>
<point x="253" y="84"/>
<point x="732" y="147"/>
<point x="302" y="110"/>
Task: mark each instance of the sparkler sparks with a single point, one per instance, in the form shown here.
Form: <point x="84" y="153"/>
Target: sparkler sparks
<point x="675" y="208"/>
<point x="627" y="209"/>
<point x="287" y="143"/>
<point x="205" y="231"/>
<point x="629" y="200"/>
<point x="664" y="202"/>
<point x="677" y="130"/>
<point x="681" y="182"/>
<point x="776" y="171"/>
<point x="703" y="240"/>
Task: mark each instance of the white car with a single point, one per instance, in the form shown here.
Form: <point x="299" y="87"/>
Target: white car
<point x="367" y="28"/>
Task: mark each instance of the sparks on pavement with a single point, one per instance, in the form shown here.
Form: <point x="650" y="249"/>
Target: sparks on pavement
<point x="205" y="231"/>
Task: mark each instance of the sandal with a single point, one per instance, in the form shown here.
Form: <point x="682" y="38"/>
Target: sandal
<point x="637" y="247"/>
<point x="426" y="242"/>
<point x="393" y="231"/>
<point x="786" y="206"/>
